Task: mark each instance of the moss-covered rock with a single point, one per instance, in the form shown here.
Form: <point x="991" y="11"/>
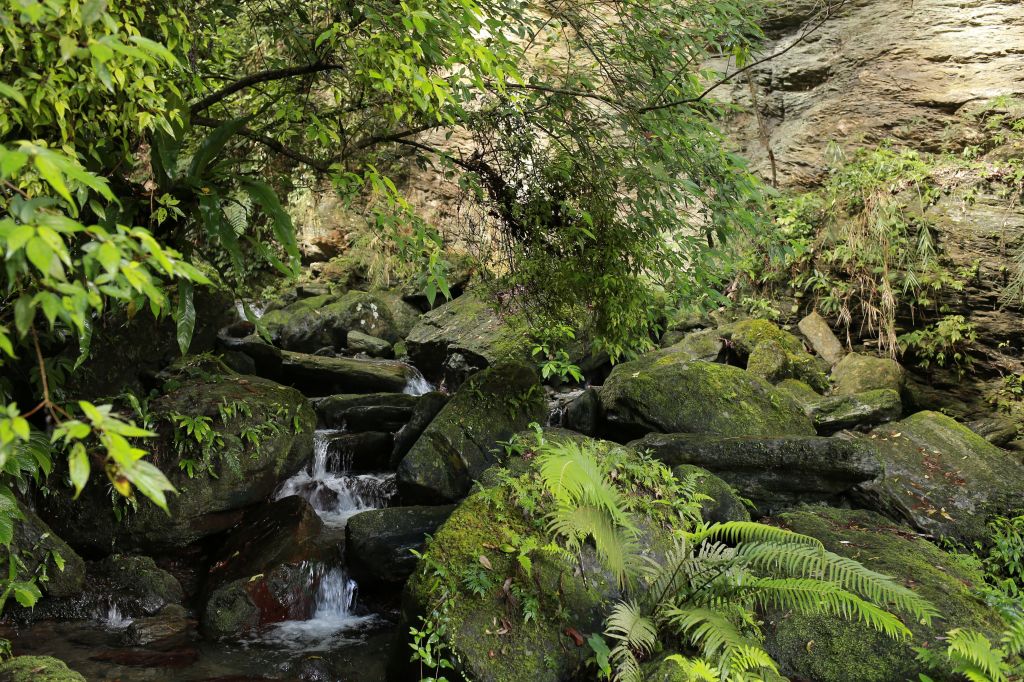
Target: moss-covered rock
<point x="267" y="435"/>
<point x="857" y="373"/>
<point x="309" y="324"/>
<point x="41" y="552"/>
<point x="461" y="442"/>
<point x="243" y="606"/>
<point x="37" y="669"/>
<point x="665" y="391"/>
<point x="724" y="505"/>
<point x="942" y="478"/>
<point x="772" y="472"/>
<point x="136" y="584"/>
<point x="774" y="354"/>
<point x="837" y="412"/>
<point x="358" y="342"/>
<point x="317" y="375"/>
<point x="366" y="411"/>
<point x="487" y="633"/>
<point x="827" y="649"/>
<point x="467" y="327"/>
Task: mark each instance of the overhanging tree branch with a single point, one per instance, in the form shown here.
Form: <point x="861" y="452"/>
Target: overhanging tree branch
<point x="256" y="78"/>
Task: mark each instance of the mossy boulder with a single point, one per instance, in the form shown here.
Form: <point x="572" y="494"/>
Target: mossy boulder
<point x="302" y="325"/>
<point x="462" y="335"/>
<point x="379" y="543"/>
<point x="265" y="433"/>
<point x="827" y="649"/>
<point x="136" y="584"/>
<point x="39" y="549"/>
<point x="37" y="669"/>
<point x="358" y="342"/>
<point x="667" y="392"/>
<point x="773" y="354"/>
<point x="773" y="473"/>
<point x="309" y="324"/>
<point x="942" y="478"/>
<point x="244" y="606"/>
<point x="724" y="504"/>
<point x="857" y="373"/>
<point x="837" y="412"/>
<point x="462" y="440"/>
<point x="317" y="375"/>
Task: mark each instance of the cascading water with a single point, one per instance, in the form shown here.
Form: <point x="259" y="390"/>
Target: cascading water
<point x="334" y="619"/>
<point x="417" y="384"/>
<point x="113" y="619"/>
<point x="335" y="493"/>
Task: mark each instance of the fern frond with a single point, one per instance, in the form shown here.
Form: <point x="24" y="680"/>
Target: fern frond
<point x="628" y="624"/>
<point x="1013" y="638"/>
<point x="710" y="631"/>
<point x="804" y="561"/>
<point x="751" y="658"/>
<point x="616" y="547"/>
<point x="735" y="532"/>
<point x="976" y="656"/>
<point x="810" y="596"/>
<point x="696" y="669"/>
<point x="574" y="476"/>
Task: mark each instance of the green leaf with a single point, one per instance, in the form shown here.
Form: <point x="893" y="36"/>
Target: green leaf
<point x="212" y="145"/>
<point x="7" y="91"/>
<point x="92" y="11"/>
<point x="78" y="464"/>
<point x="281" y="222"/>
<point x="49" y="172"/>
<point x="185" y="315"/>
<point x="24" y="312"/>
<point x="150" y="481"/>
<point x="602" y="653"/>
<point x="26" y="593"/>
<point x="84" y="342"/>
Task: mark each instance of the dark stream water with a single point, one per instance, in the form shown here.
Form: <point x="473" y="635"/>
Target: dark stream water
<point x="343" y="640"/>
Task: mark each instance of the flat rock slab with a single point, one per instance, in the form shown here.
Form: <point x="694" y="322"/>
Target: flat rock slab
<point x="942" y="478"/>
<point x="317" y="375"/>
<point x="819" y="334"/>
<point x="773" y="473"/>
<point x="366" y="412"/>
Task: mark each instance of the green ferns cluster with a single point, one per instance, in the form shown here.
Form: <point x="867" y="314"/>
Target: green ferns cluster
<point x="700" y="595"/>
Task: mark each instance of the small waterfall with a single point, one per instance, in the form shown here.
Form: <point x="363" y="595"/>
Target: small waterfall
<point x="114" y="619"/>
<point x="333" y="492"/>
<point x="333" y="623"/>
<point x="417" y="384"/>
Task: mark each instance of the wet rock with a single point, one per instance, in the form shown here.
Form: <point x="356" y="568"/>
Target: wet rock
<point x="583" y="413"/>
<point x="703" y="344"/>
<point x="858" y="373"/>
<point x="837" y="412"/>
<point x="366" y="412"/>
<point x="773" y="354"/>
<point x="265" y="358"/>
<point x="242" y="606"/>
<point x="819" y="334"/>
<point x="379" y="542"/>
<point x="467" y="327"/>
<point x="274" y="533"/>
<point x="724" y="505"/>
<point x="773" y="473"/>
<point x="39" y="550"/>
<point x="667" y="392"/>
<point x="242" y="472"/>
<point x="828" y="649"/>
<point x="181" y="657"/>
<point x="427" y="408"/>
<point x="136" y="584"/>
<point x="358" y="342"/>
<point x="37" y="669"/>
<point x="941" y="478"/>
<point x="319" y="376"/>
<point x="302" y="325"/>
<point x="167" y="629"/>
<point x="363" y="451"/>
<point x="461" y="442"/>
<point x="997" y="430"/>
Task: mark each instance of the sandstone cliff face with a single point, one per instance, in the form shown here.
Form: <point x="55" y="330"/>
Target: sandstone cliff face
<point x="877" y="69"/>
<point x="915" y="72"/>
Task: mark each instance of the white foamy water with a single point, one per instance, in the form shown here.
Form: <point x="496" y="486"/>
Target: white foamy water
<point x="417" y="384"/>
<point x="257" y="309"/>
<point x="334" y="621"/>
<point x="335" y="494"/>
<point x="113" y="619"/>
